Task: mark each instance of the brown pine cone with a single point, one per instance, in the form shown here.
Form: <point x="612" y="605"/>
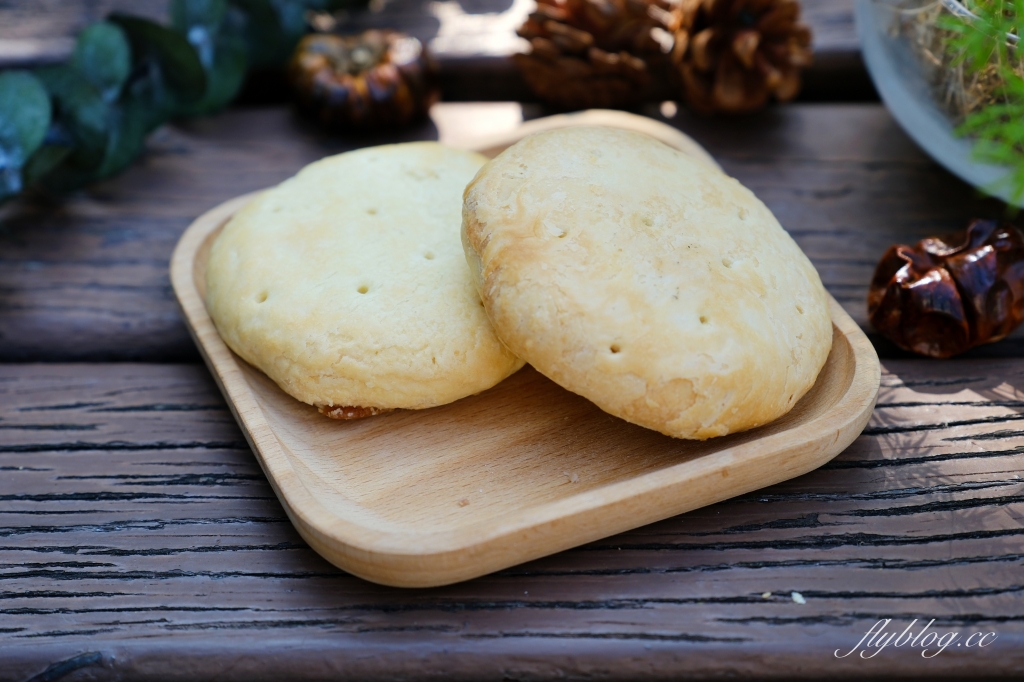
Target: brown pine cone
<point x="595" y="53"/>
<point x="733" y="55"/>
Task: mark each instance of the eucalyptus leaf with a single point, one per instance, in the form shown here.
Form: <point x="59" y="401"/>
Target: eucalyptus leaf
<point x="129" y="75"/>
<point x="81" y="110"/>
<point x="152" y="99"/>
<point x="186" y="14"/>
<point x="10" y="179"/>
<point x="25" y="112"/>
<point x="291" y="16"/>
<point x="224" y="77"/>
<point x="104" y="57"/>
<point x="44" y="161"/>
<point x="128" y="140"/>
<point x="179" y="64"/>
<point x="259" y="25"/>
<point x="200" y="21"/>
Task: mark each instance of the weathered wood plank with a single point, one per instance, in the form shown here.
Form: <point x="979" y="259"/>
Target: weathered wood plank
<point x="472" y="40"/>
<point x="135" y="525"/>
<point x="85" y="277"/>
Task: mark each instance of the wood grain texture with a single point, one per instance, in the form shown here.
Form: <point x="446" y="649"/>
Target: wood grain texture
<point x="138" y="538"/>
<point x="389" y="498"/>
<point x="85" y="278"/>
<point x="472" y="40"/>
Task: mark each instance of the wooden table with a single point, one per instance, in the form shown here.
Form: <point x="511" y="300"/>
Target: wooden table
<point x="140" y="535"/>
<point x="140" y="540"/>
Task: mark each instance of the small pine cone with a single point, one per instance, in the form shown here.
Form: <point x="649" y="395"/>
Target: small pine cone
<point x="733" y="55"/>
<point x="595" y="53"/>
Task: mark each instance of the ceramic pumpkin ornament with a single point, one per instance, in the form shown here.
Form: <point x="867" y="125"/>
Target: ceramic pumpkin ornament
<point x="378" y="79"/>
<point x="945" y="295"/>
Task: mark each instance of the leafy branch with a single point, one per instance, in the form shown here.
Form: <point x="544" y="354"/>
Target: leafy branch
<point x="64" y="126"/>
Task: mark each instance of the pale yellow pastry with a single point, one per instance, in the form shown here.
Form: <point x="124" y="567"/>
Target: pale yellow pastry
<point x="348" y="286"/>
<point x="646" y="281"/>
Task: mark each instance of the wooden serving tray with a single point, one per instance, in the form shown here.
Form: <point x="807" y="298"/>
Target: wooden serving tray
<point x="419" y="498"/>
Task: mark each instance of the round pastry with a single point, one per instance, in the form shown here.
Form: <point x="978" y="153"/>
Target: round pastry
<point x="644" y="280"/>
<point x="347" y="284"/>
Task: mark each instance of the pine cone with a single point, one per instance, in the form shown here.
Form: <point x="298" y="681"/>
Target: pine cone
<point x="595" y="53"/>
<point x="733" y="55"/>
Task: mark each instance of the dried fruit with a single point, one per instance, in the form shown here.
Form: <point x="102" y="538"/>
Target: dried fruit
<point x="376" y="79"/>
<point x="734" y="55"/>
<point x="945" y="295"/>
<point x="595" y="53"/>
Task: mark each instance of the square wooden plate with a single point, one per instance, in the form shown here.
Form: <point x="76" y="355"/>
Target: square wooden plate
<point x="430" y="497"/>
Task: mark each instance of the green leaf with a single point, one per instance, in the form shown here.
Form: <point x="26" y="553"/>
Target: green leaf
<point x="179" y="65"/>
<point x="259" y="26"/>
<point x="291" y="16"/>
<point x="45" y="160"/>
<point x="24" y="112"/>
<point x="186" y="14"/>
<point x="128" y="140"/>
<point x="199" y="21"/>
<point x="81" y="110"/>
<point x="104" y="57"/>
<point x="225" y="76"/>
<point x="271" y="28"/>
<point x="222" y="55"/>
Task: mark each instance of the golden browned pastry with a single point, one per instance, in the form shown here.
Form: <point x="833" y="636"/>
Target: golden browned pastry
<point x="347" y="284"/>
<point x="642" y="279"/>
